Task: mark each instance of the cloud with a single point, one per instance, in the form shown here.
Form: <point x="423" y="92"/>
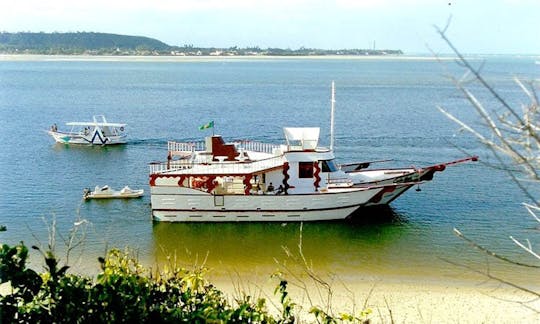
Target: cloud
<point x="40" y="6"/>
<point x="386" y="4"/>
<point x="65" y="15"/>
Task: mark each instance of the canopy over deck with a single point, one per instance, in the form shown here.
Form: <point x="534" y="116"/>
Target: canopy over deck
<point x="98" y="120"/>
<point x="95" y="124"/>
<point x="305" y="138"/>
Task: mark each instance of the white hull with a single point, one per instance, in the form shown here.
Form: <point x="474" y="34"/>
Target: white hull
<point x="96" y="132"/>
<point x="388" y="194"/>
<point x="403" y="178"/>
<point x="116" y="195"/>
<point x="108" y="193"/>
<point x="252" y="216"/>
<point x="92" y="139"/>
<point x="174" y="204"/>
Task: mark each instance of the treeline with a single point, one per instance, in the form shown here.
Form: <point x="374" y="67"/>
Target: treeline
<point x="78" y="43"/>
<point x="89" y="43"/>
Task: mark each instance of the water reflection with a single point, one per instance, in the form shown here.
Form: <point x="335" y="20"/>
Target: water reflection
<point x="331" y="246"/>
<point x="98" y="149"/>
<point x="375" y="244"/>
<point x="376" y="215"/>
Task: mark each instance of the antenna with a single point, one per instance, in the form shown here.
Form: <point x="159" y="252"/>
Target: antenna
<point x="333" y="103"/>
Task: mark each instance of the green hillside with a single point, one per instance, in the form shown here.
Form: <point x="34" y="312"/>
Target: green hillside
<point x="79" y="43"/>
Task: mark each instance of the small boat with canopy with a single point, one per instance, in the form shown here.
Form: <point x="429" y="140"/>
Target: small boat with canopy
<point x="95" y="132"/>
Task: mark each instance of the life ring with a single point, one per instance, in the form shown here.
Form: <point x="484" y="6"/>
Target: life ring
<point x="121" y="128"/>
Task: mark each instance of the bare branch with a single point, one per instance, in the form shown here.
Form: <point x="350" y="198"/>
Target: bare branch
<point x="513" y="137"/>
<point x="466" y="127"/>
<point x="447" y="24"/>
<point x="476" y="73"/>
<point x="526" y="248"/>
<point x="492" y="277"/>
<point x="530" y="209"/>
<point x="489" y="252"/>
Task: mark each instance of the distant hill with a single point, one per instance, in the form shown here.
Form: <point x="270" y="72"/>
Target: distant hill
<point x="78" y="43"/>
<point x="89" y="43"/>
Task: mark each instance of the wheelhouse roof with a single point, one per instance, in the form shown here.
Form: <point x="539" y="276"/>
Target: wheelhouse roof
<point x="307" y="137"/>
<point x="95" y="124"/>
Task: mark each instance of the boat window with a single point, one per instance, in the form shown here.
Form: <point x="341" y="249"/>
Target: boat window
<point x="219" y="200"/>
<point x="305" y="169"/>
<point x="329" y="166"/>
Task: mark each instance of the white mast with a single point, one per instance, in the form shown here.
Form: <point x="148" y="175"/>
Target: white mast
<point x="333" y="101"/>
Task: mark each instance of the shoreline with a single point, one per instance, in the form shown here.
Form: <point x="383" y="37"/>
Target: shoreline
<point x="461" y="297"/>
<point x="177" y="58"/>
<point x="390" y="298"/>
<point x="239" y="58"/>
<point x="399" y="301"/>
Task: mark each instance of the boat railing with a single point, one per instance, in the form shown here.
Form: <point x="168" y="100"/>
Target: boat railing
<point x="161" y="167"/>
<point x="240" y="145"/>
<point x="216" y="167"/>
<point x="257" y="146"/>
<point x="185" y="147"/>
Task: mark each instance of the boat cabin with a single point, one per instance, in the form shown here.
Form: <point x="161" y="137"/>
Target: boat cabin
<point x="299" y="166"/>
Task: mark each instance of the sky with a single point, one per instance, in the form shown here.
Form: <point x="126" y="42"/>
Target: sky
<point x="476" y="26"/>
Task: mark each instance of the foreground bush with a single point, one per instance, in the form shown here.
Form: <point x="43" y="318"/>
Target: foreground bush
<point x="124" y="291"/>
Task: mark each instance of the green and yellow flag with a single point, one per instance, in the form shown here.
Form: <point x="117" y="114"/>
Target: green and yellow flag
<point x="207" y="125"/>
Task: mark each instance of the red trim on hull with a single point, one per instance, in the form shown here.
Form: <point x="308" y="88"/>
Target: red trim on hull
<point x="378" y="197"/>
<point x="316" y="175"/>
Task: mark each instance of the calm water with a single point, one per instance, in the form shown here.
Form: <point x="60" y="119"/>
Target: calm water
<point x="386" y="109"/>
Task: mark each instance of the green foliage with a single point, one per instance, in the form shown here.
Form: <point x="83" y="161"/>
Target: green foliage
<point x="125" y="291"/>
<point x="18" y="284"/>
<point x="287" y="313"/>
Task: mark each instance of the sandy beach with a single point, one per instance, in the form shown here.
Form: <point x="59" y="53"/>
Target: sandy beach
<point x="405" y="302"/>
<point x="464" y="297"/>
<point x="408" y="303"/>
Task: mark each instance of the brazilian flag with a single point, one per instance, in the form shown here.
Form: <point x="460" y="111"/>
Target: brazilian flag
<point x="207" y="125"/>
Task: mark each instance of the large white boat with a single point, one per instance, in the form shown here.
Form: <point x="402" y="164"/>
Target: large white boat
<point x="96" y="132"/>
<point x="214" y="181"/>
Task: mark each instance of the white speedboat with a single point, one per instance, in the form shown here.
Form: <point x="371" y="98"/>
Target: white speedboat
<point x="106" y="192"/>
<point x="96" y="132"/>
